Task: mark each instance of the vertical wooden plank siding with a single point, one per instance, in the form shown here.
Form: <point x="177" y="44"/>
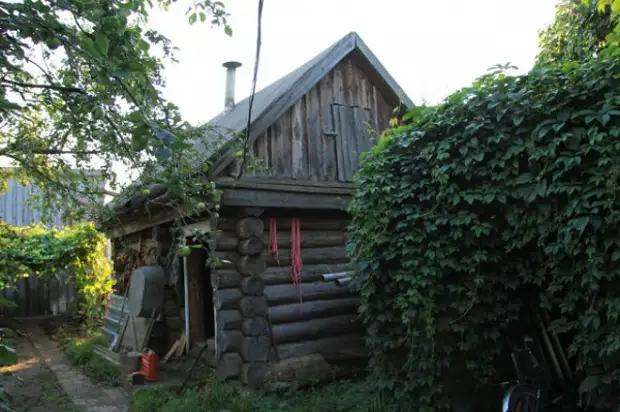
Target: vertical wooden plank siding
<point x="313" y="128"/>
<point x="328" y="163"/>
<point x="361" y="122"/>
<point x="299" y="155"/>
<point x="304" y="143"/>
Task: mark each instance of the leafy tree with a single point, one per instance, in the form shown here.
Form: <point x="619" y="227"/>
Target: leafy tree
<point x="581" y="30"/>
<point x="81" y="89"/>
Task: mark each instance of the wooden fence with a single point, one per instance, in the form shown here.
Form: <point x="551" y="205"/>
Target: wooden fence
<point x="35" y="296"/>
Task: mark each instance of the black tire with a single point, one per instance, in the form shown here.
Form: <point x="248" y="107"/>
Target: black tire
<point x="521" y="398"/>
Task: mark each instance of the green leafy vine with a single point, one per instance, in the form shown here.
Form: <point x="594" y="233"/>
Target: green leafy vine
<point x="506" y="191"/>
<point x="76" y="254"/>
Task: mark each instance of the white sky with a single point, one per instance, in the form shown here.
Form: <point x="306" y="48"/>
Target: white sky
<point x="431" y="47"/>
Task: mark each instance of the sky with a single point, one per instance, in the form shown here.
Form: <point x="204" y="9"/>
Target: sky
<point x="431" y="47"/>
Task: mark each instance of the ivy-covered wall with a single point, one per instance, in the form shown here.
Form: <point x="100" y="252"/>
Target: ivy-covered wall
<point x="508" y="187"/>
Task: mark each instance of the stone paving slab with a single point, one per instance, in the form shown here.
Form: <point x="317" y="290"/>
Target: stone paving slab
<point x="84" y="393"/>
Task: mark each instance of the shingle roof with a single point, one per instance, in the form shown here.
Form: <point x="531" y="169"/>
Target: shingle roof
<point x="272" y="102"/>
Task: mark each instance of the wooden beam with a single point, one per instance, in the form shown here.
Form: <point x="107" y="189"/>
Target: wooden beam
<point x="203" y="226"/>
<point x="278" y="181"/>
<point x="291" y="186"/>
<point x="139" y="223"/>
<point x="271" y="199"/>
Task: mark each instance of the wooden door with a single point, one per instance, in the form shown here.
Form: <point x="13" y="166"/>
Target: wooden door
<point x="353" y="127"/>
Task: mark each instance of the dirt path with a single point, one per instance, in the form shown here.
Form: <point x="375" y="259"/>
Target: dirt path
<point x="33" y="387"/>
<point x="47" y="382"/>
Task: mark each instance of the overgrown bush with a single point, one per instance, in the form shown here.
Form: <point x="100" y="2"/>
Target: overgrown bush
<point x="509" y="187"/>
<point x="76" y="254"/>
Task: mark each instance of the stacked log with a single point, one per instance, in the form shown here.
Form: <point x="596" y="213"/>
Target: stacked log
<point x="317" y="322"/>
<point x="255" y="348"/>
<point x="226" y="285"/>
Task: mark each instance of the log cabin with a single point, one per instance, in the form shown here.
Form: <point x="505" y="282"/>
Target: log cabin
<point x="278" y="303"/>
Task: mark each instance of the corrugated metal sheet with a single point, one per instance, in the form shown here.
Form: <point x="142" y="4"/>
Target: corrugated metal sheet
<point x="17" y="211"/>
<point x="113" y="325"/>
<point x="34" y="296"/>
<point x="115" y="314"/>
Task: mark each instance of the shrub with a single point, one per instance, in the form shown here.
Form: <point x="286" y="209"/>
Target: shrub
<point x="509" y="187"/>
<point x="75" y="254"/>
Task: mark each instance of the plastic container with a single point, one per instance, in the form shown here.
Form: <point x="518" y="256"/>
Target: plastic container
<point x="149" y="365"/>
<point x="146" y="291"/>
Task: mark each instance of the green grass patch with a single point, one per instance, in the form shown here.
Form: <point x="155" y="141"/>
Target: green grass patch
<point x="81" y="353"/>
<point x="8" y="341"/>
<point x="341" y="396"/>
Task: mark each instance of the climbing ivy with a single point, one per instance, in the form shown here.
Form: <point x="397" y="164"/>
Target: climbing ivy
<point x="507" y="189"/>
<point x="76" y="254"/>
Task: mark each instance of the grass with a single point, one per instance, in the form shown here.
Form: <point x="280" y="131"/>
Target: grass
<point x="341" y="396"/>
<point x="26" y="383"/>
<point x="80" y="351"/>
<point x="78" y="344"/>
<point x="8" y="338"/>
<point x="50" y="393"/>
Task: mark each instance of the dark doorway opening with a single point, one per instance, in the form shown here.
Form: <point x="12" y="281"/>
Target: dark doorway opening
<point x="199" y="296"/>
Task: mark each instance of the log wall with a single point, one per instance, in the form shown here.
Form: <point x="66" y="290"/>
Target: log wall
<point x="270" y="332"/>
<point x="264" y="332"/>
<point x="319" y="317"/>
<point x="243" y="342"/>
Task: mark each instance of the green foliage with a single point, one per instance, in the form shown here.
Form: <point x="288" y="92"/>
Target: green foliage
<point x="582" y="30"/>
<point x="8" y="342"/>
<point x="76" y="254"/>
<point x="81" y="352"/>
<point x="508" y="187"/>
<point x="81" y="90"/>
<point x="340" y="396"/>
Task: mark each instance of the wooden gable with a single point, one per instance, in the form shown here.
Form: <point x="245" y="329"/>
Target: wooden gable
<point x="321" y="137"/>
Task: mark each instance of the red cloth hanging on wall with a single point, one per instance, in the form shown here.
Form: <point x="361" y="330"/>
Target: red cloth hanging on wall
<point x="273" y="240"/>
<point x="296" y="261"/>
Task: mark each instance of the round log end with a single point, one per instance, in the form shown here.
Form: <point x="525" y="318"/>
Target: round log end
<point x="250" y="246"/>
<point x="249" y="226"/>
<point x="251" y="265"/>
<point x="229" y="366"/>
<point x="255" y="327"/>
<point x="253" y="285"/>
<point x="253" y="374"/>
<point x="256" y="349"/>
<point x="229" y="341"/>
<point x="253" y="306"/>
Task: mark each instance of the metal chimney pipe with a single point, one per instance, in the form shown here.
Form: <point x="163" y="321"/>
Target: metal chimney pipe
<point x="231" y="67"/>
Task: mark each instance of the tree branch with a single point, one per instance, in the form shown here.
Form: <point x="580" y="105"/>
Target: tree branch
<point x="44" y="86"/>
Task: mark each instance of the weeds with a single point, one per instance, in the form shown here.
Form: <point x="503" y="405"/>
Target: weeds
<point x="342" y="396"/>
<point x="8" y="341"/>
<point x="81" y="353"/>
